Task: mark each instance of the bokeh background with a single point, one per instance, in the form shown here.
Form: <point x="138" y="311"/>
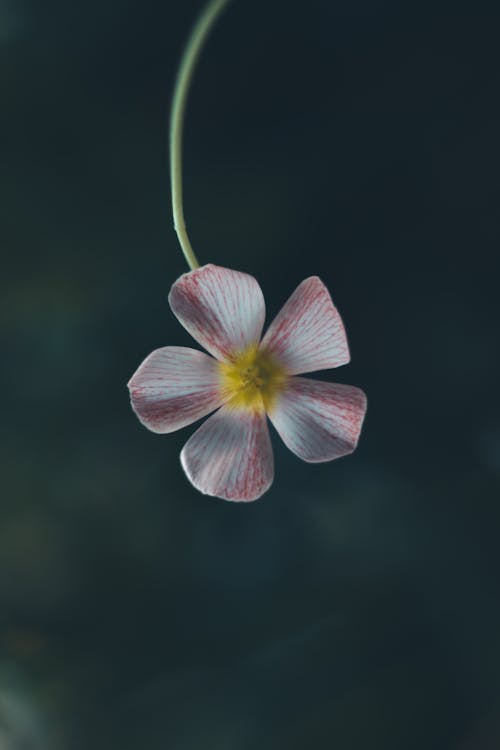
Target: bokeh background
<point x="357" y="604"/>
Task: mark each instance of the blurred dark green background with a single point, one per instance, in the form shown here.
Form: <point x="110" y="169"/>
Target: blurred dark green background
<point x="356" y="605"/>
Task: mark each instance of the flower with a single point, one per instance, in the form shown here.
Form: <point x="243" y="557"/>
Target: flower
<point x="246" y="378"/>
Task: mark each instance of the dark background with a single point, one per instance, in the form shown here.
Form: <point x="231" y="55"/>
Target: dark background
<point x="356" y="605"/>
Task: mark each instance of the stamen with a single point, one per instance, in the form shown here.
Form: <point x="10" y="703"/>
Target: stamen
<point x="253" y="379"/>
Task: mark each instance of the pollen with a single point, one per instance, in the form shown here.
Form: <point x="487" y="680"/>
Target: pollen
<point x="252" y="379"/>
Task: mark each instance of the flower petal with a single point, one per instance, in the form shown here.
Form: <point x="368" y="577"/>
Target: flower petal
<point x="230" y="455"/>
<point x="174" y="387"/>
<point x="222" y="309"/>
<point x="308" y="333"/>
<point x="319" y="421"/>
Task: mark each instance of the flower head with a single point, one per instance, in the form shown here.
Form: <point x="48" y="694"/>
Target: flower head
<point x="246" y="380"/>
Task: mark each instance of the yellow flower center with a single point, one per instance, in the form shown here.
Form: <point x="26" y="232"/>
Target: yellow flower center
<point x="253" y="379"/>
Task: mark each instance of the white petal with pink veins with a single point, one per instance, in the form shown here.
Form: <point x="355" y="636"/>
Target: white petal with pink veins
<point x="174" y="387"/>
<point x="319" y="421"/>
<point x="308" y="334"/>
<point x="222" y="309"/>
<point x="230" y="455"/>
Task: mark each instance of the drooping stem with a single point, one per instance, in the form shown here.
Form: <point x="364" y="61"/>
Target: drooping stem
<point x="189" y="59"/>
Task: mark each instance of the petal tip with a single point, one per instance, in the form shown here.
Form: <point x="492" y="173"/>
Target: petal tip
<point x="233" y="497"/>
<point x="357" y="420"/>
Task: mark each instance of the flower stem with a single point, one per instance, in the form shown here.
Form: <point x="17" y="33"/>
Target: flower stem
<point x="189" y="59"/>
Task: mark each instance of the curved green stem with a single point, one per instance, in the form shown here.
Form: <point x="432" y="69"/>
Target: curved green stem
<point x="189" y="59"/>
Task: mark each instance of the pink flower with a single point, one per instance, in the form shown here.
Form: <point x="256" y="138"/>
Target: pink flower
<point x="246" y="378"/>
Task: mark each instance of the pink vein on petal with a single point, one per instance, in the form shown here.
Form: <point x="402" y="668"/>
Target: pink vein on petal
<point x="222" y="309"/>
<point x="319" y="421"/>
<point x="230" y="455"/>
<point x="174" y="387"/>
<point x="308" y="334"/>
